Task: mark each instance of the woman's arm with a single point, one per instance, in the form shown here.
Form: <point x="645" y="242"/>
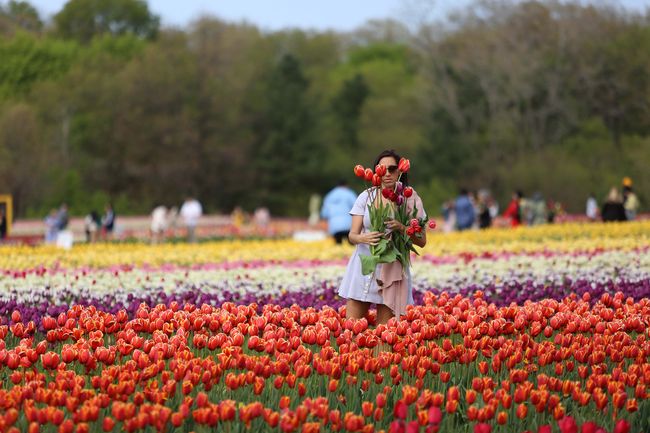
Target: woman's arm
<point x="356" y="237"/>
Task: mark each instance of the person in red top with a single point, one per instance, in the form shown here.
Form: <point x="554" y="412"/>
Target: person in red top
<point x="513" y="210"/>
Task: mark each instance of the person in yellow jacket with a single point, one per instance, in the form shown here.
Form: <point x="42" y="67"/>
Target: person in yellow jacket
<point x="630" y="200"/>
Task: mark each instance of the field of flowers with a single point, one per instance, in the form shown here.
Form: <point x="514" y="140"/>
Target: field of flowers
<point x="540" y="329"/>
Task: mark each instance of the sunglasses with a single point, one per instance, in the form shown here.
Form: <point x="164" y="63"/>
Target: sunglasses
<point x="391" y="169"/>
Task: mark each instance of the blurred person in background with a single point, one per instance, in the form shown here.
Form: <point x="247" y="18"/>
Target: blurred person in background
<point x="538" y="209"/>
<point x="464" y="209"/>
<point x="191" y="211"/>
<point x="336" y="210"/>
<point x="108" y="221"/>
<point x="91" y="226"/>
<point x="262" y="219"/>
<point x="630" y="200"/>
<point x="448" y="216"/>
<point x="613" y="209"/>
<point x="314" y="209"/>
<point x="3" y="224"/>
<point x="484" y="212"/>
<point x="51" y="226"/>
<point x="591" y="209"/>
<point x="172" y="221"/>
<point x="158" y="223"/>
<point x="513" y="211"/>
<point x="62" y="218"/>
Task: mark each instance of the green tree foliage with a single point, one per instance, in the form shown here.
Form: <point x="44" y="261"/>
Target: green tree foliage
<point x="84" y="19"/>
<point x="22" y="155"/>
<point x="347" y="107"/>
<point x="287" y="154"/>
<point x="22" y="15"/>
<point x="27" y="59"/>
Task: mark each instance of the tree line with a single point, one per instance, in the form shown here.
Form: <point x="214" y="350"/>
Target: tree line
<point x="101" y="103"/>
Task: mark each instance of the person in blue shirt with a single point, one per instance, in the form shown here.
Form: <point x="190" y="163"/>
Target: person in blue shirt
<point x="336" y="210"/>
<point x="464" y="208"/>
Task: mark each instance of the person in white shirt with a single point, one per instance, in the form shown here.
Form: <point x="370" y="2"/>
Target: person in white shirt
<point x="158" y="223"/>
<point x="191" y="211"/>
<point x="592" y="208"/>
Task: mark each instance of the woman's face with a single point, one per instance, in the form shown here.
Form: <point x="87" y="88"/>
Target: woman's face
<point x="390" y="178"/>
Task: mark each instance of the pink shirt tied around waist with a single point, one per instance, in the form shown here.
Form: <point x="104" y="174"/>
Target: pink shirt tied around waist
<point x="392" y="281"/>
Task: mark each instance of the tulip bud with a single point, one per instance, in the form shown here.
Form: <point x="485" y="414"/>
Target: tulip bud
<point x="404" y="165"/>
<point x="386" y="193"/>
<point x="380" y="169"/>
<point x="400" y="200"/>
<point x="359" y="171"/>
<point x="399" y="187"/>
<point x="376" y="180"/>
<point x="432" y="224"/>
<point x="408" y="191"/>
<point x="368" y="175"/>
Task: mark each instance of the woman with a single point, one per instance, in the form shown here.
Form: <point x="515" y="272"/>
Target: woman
<point x="363" y="290"/>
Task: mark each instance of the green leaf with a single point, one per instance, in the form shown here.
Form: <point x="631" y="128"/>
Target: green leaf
<point x="389" y="256"/>
<point x="380" y="248"/>
<point x="368" y="264"/>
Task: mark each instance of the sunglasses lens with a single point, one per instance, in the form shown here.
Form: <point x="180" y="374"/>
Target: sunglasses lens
<point x="392" y="168"/>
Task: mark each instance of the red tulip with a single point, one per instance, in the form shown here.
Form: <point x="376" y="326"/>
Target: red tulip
<point x="400" y="410"/>
<point x="482" y="428"/>
<point x="396" y="427"/>
<point x="404" y="165"/>
<point x="621" y="426"/>
<point x="367" y="408"/>
<point x="408" y="191"/>
<point x="380" y="400"/>
<point x="451" y="406"/>
<point x="368" y="175"/>
<point x="589" y="427"/>
<point x="359" y="171"/>
<point x="376" y="180"/>
<point x="432" y="224"/>
<point x="380" y="169"/>
<point x="412" y="427"/>
<point x="435" y="415"/>
<point x="50" y="360"/>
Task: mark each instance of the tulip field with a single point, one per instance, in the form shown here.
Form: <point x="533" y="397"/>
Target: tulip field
<point x="543" y="329"/>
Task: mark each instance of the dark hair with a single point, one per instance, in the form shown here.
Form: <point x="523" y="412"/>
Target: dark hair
<point x="404" y="179"/>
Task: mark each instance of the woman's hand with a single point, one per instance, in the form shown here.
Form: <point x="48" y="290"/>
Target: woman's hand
<point x="395" y="226"/>
<point x="370" y="238"/>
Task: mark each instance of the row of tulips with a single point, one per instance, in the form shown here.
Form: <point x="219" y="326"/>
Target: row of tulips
<point x="37" y="303"/>
<point x="264" y="279"/>
<point x="561" y="238"/>
<point x="632" y="265"/>
<point x="454" y="363"/>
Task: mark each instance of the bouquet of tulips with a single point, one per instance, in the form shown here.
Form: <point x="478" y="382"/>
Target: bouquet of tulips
<point x="393" y="245"/>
